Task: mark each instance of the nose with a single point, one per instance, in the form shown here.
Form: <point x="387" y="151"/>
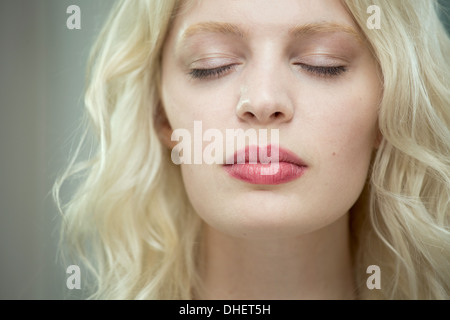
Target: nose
<point x="264" y="98"/>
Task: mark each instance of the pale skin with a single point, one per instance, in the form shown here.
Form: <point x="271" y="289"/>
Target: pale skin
<point x="287" y="241"/>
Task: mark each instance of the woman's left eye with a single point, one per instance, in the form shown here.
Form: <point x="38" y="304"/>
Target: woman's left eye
<point x="323" y="71"/>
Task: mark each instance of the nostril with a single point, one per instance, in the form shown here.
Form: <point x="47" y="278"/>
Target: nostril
<point x="249" y="115"/>
<point x="276" y="114"/>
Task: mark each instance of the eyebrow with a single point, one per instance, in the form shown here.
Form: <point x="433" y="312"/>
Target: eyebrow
<point x="214" y="27"/>
<point x="295" y="32"/>
<point x="324" y="27"/>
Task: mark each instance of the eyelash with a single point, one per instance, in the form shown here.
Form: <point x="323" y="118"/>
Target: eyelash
<point x="324" y="71"/>
<point x="209" y="73"/>
<point x="317" y="70"/>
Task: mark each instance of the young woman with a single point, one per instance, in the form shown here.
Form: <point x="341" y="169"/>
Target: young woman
<point x="362" y="184"/>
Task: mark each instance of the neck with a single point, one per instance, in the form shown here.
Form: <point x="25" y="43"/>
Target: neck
<point x="311" y="266"/>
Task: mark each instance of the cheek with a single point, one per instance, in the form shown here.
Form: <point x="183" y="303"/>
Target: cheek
<point x="345" y="142"/>
<point x="352" y="131"/>
<point x="184" y="104"/>
<point x="350" y="149"/>
<point x="208" y="194"/>
<point x="345" y="118"/>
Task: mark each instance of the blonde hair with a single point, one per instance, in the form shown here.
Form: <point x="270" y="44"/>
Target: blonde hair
<point x="132" y="224"/>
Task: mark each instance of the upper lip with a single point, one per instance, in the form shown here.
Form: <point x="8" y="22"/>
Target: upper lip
<point x="284" y="155"/>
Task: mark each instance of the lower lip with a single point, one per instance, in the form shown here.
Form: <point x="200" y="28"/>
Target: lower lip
<point x="269" y="174"/>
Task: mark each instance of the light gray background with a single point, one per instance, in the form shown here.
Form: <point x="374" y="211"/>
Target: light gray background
<point x="42" y="66"/>
<point x="42" y="71"/>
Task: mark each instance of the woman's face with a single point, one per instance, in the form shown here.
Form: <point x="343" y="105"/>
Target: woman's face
<point x="298" y="66"/>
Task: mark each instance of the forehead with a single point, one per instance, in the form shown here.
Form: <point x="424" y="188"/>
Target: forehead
<point x="262" y="16"/>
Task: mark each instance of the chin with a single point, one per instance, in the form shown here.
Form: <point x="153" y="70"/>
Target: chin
<point x="263" y="222"/>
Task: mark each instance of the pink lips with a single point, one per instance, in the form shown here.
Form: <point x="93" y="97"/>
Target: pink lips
<point x="260" y="165"/>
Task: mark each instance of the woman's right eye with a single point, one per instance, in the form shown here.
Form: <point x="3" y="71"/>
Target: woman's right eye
<point x="210" y="73"/>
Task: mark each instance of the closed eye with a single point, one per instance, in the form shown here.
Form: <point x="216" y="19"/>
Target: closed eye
<point x="323" y="70"/>
<point x="210" y="73"/>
